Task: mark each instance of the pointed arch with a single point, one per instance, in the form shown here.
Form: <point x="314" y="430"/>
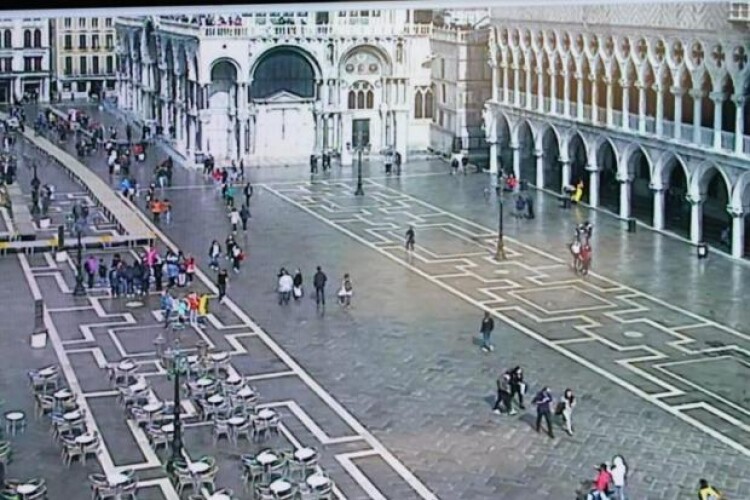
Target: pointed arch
<point x="704" y="175"/>
<point x="526" y="147"/>
<point x="418" y="105"/>
<point x="741" y="193"/>
<point x="37" y="38"/>
<point x="607" y="161"/>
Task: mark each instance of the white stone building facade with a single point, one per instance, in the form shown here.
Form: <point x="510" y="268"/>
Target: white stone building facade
<point x="83" y="52"/>
<point x="278" y="87"/>
<point x="647" y="106"/>
<point x="24" y="59"/>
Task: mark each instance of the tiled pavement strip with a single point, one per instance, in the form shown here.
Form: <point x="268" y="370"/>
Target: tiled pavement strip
<point x="477" y="240"/>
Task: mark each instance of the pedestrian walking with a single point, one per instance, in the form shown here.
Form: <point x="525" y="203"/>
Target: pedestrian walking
<point x="92" y="269"/>
<point x="234" y="219"/>
<point x="346" y="291"/>
<point x="708" y="492"/>
<point x="529" y="207"/>
<point x="286" y="284"/>
<point x="247" y="191"/>
<point x="158" y="268"/>
<point x="410" y="239"/>
<point x="319" y="282"/>
<point x="230" y="244"/>
<point x="193" y="302"/>
<point x="244" y="216"/>
<point x="237" y="258"/>
<point x="166" y="303"/>
<point x="543" y="402"/>
<point x="190" y="269"/>
<point x="601" y="484"/>
<point x="297" y="282"/>
<point x="214" y="252"/>
<point x="488" y="324"/>
<point x="517" y="385"/>
<point x="619" y="471"/>
<point x="503" y="396"/>
<point x="565" y="409"/>
<point x="221" y="283"/>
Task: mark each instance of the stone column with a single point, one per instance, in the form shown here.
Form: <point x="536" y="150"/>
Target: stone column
<point x="579" y="96"/>
<point x="492" y="62"/>
<point x="346" y="132"/>
<point x="505" y="83"/>
<point x="624" y="198"/>
<point x="718" y="99"/>
<point x="402" y="133"/>
<point x="625" y="85"/>
<point x="593" y="185"/>
<point x="565" y="165"/>
<point x="540" y="89"/>
<point x="641" y="108"/>
<point x="658" y="207"/>
<point x="529" y="90"/>
<point x="739" y="123"/>
<point x="493" y="156"/>
<point x="738" y="233"/>
<point x="539" y="169"/>
<point x="566" y="93"/>
<point x="659" y="109"/>
<point x="609" y="111"/>
<point x="205" y="120"/>
<point x="516" y="161"/>
<point x="516" y="86"/>
<point x="696" y="218"/>
<point x="678" y="93"/>
<point x="552" y="91"/>
<point x="594" y="99"/>
<point x="697" y="96"/>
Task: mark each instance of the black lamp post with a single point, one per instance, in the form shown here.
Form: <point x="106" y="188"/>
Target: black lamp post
<point x="79" y="290"/>
<point x="500" y="252"/>
<point x="177" y="366"/>
<point x="360" y="147"/>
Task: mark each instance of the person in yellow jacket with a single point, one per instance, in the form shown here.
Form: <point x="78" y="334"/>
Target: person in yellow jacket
<point x="202" y="309"/>
<point x="707" y="492"/>
<point x="578" y="193"/>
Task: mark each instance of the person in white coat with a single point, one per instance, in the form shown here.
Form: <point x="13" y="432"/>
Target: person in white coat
<point x="619" y="471"/>
<point x="234" y="219"/>
<point x="286" y="283"/>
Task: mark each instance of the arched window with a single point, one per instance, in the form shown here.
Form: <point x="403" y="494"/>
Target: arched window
<point x="27" y="38"/>
<point x="37" y="38"/>
<point x="8" y="39"/>
<point x="370" y="99"/>
<point x="428" y="104"/>
<point x="418" y="104"/>
<point x="361" y="99"/>
<point x="352" y="98"/>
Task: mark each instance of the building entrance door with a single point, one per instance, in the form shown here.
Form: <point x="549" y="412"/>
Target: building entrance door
<point x="4" y="92"/>
<point x="360" y="129"/>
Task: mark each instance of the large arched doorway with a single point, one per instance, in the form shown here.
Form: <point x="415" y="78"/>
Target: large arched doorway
<point x="505" y="154"/>
<point x="578" y="161"/>
<point x="222" y="96"/>
<point x="716" y="220"/>
<point x="283" y="94"/>
<point x="641" y="198"/>
<point x="526" y="153"/>
<point x="609" y="187"/>
<point x="676" y="205"/>
<point x="551" y="152"/>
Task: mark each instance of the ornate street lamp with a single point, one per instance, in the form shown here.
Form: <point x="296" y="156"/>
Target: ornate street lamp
<point x="79" y="290"/>
<point x="500" y="252"/>
<point x="176" y="362"/>
<point x="359" y="148"/>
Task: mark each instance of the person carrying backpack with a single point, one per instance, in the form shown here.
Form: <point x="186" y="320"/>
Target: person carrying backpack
<point x="708" y="492"/>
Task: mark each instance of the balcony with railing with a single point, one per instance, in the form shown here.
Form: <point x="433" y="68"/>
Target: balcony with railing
<point x="705" y="134"/>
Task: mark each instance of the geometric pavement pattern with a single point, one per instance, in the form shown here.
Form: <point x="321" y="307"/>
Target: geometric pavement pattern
<point x="683" y="363"/>
<point x="90" y="334"/>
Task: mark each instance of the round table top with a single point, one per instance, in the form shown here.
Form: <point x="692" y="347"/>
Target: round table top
<point x="237" y="420"/>
<point x="167" y="428"/>
<point x="304" y="453"/>
<point x="152" y="407"/>
<point x="126" y="365"/>
<point x="118" y="479"/>
<point x="25" y="489"/>
<point x="62" y="394"/>
<point x="14" y="415"/>
<point x="280" y="486"/>
<point x="46" y="372"/>
<point x="266" y="414"/>
<point x="219" y="496"/>
<point x="245" y="392"/>
<point x="85" y="439"/>
<point x="198" y="467"/>
<point x="216" y="399"/>
<point x="219" y="356"/>
<point x="233" y="379"/>
<point x="72" y="415"/>
<point x="193" y="358"/>
<point x="317" y="480"/>
<point x="266" y="458"/>
<point x="204" y="382"/>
